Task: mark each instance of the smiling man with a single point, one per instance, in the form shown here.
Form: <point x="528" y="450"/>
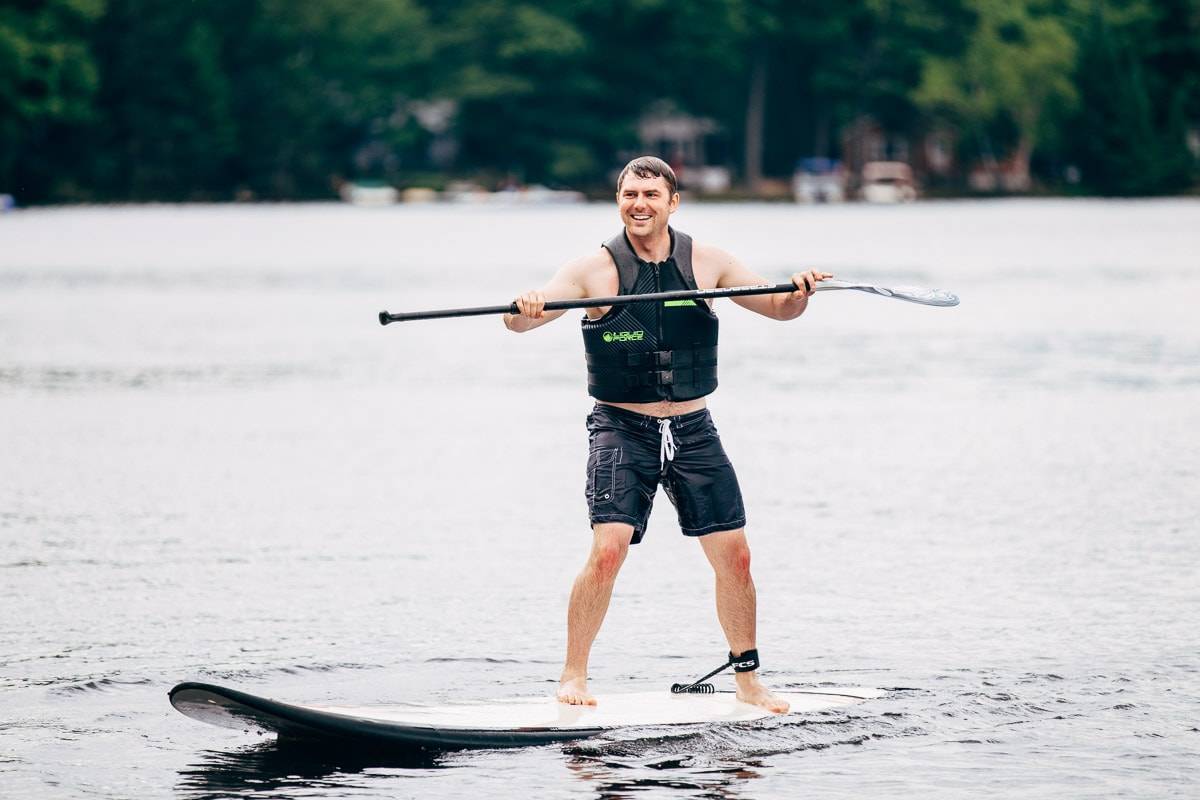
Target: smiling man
<point x="650" y="366"/>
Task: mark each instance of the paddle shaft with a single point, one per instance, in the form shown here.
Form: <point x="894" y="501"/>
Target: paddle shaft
<point x="594" y="302"/>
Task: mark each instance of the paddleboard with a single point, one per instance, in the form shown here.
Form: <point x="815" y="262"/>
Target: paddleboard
<point x="504" y="723"/>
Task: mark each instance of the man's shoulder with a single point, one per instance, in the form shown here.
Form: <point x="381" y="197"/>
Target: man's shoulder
<point x="598" y="259"/>
<point x="710" y="254"/>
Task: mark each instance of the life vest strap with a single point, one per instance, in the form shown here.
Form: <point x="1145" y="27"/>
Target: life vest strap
<point x="619" y="379"/>
<point x="689" y="357"/>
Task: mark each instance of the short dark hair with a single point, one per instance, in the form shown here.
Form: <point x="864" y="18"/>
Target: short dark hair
<point x="650" y="167"/>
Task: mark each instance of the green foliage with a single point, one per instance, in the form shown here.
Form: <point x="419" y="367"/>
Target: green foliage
<point x="315" y="81"/>
<point x="47" y="76"/>
<point x="570" y="163"/>
<point x="835" y="61"/>
<point x="211" y="99"/>
<point x="1131" y="128"/>
<point x="518" y="73"/>
<point x="166" y="129"/>
<point x="45" y="71"/>
<point x="1018" y="63"/>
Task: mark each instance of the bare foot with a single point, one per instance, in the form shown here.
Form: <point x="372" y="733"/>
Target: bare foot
<point x="750" y="690"/>
<point x="573" y="692"/>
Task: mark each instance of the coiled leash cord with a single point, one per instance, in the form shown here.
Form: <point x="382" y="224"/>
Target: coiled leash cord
<point x="746" y="662"/>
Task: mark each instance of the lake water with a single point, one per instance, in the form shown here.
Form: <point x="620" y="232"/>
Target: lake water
<point x="215" y="465"/>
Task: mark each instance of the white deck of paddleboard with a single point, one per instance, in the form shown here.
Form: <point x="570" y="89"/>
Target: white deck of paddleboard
<point x="633" y="709"/>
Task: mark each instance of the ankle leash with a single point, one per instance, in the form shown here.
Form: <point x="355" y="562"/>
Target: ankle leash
<point x="746" y="662"/>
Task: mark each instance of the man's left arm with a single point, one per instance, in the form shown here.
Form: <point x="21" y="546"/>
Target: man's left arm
<point x="782" y="306"/>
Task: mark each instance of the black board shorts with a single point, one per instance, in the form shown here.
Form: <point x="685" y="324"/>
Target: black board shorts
<point x="626" y="465"/>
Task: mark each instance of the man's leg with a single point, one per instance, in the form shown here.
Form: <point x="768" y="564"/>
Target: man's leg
<point x="589" y="603"/>
<point x="729" y="555"/>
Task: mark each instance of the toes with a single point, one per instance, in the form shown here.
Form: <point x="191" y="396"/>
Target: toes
<point x="577" y="700"/>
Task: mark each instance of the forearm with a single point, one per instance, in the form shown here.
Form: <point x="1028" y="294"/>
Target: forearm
<point x="518" y="323"/>
<point x="781" y="306"/>
<point x="788" y="306"/>
<point x="531" y="306"/>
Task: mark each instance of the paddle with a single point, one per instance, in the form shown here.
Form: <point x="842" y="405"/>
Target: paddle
<point x="913" y="294"/>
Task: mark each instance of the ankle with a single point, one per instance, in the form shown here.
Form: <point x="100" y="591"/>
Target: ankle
<point x="746" y="680"/>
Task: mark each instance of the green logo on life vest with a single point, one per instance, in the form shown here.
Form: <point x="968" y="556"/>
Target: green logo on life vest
<point x="623" y="336"/>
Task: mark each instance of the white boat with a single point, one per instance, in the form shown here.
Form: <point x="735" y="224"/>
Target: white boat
<point x="888" y="182"/>
<point x="370" y="195"/>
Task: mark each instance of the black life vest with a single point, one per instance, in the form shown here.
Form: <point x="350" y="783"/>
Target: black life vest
<point x="650" y="351"/>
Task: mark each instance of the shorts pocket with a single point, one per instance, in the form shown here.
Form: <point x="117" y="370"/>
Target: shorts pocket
<point x="602" y="474"/>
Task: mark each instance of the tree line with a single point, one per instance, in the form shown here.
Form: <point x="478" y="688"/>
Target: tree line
<point x="105" y="100"/>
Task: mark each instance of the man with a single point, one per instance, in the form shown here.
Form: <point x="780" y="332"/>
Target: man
<point x="650" y="366"/>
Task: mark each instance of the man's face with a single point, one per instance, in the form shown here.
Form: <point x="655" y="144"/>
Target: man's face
<point x="646" y="204"/>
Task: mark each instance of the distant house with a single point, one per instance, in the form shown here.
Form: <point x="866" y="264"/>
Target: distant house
<point x="932" y="157"/>
<point x="686" y="142"/>
<point x="1006" y="175"/>
<point x="866" y="140"/>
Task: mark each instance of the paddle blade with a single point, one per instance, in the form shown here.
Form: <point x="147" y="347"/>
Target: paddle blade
<point x="926" y="297"/>
<point x="913" y="294"/>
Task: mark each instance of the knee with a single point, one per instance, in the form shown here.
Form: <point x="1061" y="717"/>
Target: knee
<point x="607" y="558"/>
<point x="736" y="562"/>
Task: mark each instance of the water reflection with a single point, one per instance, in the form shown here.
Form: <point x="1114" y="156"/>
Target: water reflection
<point x="275" y="767"/>
<point x="709" y="761"/>
<point x="620" y="779"/>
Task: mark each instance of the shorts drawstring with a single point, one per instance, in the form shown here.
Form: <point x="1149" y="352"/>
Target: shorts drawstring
<point x="666" y="447"/>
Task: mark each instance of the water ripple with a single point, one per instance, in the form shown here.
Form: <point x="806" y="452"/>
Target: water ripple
<point x="83" y="379"/>
<point x="101" y="685"/>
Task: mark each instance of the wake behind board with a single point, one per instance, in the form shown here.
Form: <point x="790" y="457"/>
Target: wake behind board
<point x="504" y="723"/>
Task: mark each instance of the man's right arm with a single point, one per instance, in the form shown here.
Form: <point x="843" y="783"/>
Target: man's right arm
<point x="567" y="284"/>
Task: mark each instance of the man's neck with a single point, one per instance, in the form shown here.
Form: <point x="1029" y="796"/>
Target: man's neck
<point x="654" y="248"/>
